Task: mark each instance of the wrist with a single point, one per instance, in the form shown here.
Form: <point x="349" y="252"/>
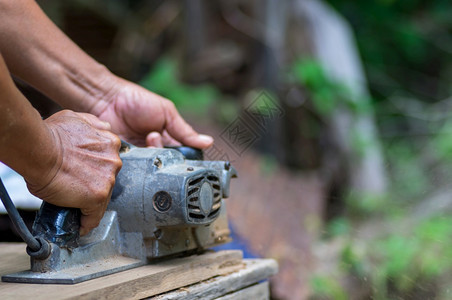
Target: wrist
<point x="32" y="149"/>
<point x="44" y="161"/>
<point x="102" y="92"/>
<point x="86" y="89"/>
<point x="26" y="144"/>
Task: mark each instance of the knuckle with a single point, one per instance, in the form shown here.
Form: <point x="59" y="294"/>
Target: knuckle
<point x="170" y="104"/>
<point x="116" y="141"/>
<point x="100" y="196"/>
<point x="67" y="112"/>
<point x="114" y="162"/>
<point x="118" y="164"/>
<point x="113" y="141"/>
<point x="111" y="181"/>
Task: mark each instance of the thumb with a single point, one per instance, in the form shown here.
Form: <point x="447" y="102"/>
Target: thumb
<point x="182" y="132"/>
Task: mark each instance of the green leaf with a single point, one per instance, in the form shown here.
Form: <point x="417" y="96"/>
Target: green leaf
<point x="327" y="287"/>
<point x="164" y="80"/>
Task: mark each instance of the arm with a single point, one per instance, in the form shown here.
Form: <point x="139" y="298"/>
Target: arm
<point x="39" y="53"/>
<point x="49" y="153"/>
<point x="24" y="137"/>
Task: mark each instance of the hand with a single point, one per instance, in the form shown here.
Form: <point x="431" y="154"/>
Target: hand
<point x="146" y="119"/>
<point x="87" y="156"/>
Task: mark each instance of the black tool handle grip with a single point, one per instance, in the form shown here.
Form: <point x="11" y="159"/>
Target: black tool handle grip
<point x="59" y="225"/>
<point x="189" y="152"/>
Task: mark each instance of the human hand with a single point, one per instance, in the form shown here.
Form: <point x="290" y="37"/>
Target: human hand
<point x="146" y="119"/>
<point x="87" y="156"/>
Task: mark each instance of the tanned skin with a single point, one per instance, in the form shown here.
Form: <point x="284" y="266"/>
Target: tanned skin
<point x="71" y="159"/>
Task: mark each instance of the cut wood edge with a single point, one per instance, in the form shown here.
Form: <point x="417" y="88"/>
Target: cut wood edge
<point x="260" y="291"/>
<point x="155" y="279"/>
<point x="136" y="283"/>
<point x="255" y="271"/>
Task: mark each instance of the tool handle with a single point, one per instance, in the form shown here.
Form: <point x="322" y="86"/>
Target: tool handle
<point x="189" y="152"/>
<point x="59" y="225"/>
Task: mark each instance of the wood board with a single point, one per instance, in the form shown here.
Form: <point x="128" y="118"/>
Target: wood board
<point x="142" y="282"/>
<point x="255" y="270"/>
<point x="260" y="291"/>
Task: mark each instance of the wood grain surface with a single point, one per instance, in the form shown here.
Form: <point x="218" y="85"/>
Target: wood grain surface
<point x="142" y="282"/>
<point x="255" y="270"/>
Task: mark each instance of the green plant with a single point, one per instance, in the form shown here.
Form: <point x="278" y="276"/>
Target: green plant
<point x="327" y="287"/>
<point x="164" y="80"/>
<point x="325" y="93"/>
<point x="338" y="226"/>
<point x="401" y="262"/>
<point x="410" y="179"/>
<point x="413" y="259"/>
<point x="406" y="50"/>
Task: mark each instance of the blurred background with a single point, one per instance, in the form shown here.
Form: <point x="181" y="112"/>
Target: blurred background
<point x="336" y="114"/>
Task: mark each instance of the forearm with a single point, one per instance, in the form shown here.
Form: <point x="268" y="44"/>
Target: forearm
<point x="38" y="52"/>
<point x="25" y="144"/>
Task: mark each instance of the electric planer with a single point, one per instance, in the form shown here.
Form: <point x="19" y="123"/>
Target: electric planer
<point x="166" y="202"/>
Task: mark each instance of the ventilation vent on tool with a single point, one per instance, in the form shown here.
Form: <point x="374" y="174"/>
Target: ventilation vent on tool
<point x="196" y="213"/>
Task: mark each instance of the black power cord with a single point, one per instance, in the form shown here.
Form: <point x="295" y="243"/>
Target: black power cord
<point x="36" y="247"/>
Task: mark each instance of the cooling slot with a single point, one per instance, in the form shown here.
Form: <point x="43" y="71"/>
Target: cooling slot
<point x="213" y="213"/>
<point x="196" y="181"/>
<point x="194" y="199"/>
<point x="195" y="214"/>
<point x="192" y="191"/>
<point x="193" y="207"/>
<point x="212" y="178"/>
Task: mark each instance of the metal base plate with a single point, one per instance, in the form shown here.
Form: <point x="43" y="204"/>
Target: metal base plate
<point x="76" y="274"/>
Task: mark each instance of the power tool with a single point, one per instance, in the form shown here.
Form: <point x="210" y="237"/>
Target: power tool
<point x="166" y="202"/>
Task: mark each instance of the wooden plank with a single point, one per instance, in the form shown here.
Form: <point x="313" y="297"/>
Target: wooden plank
<point x="136" y="283"/>
<point x="255" y="270"/>
<point x="258" y="291"/>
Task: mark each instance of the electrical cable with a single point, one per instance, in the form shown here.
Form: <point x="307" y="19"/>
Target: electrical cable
<point x="17" y="220"/>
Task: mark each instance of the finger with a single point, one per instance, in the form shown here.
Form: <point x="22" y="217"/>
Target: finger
<point x="95" y="121"/>
<point x="90" y="218"/>
<point x="182" y="132"/>
<point x="115" y="140"/>
<point x="169" y="140"/>
<point x="108" y="201"/>
<point x="154" y="139"/>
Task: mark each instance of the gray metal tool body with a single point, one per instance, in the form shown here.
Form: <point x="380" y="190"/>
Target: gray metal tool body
<point x="162" y="205"/>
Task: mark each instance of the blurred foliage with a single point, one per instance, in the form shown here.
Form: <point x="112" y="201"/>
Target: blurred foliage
<point x="406" y="48"/>
<point x="442" y="142"/>
<point x="401" y="264"/>
<point x="404" y="263"/>
<point x="338" y="226"/>
<point x="405" y="44"/>
<point x="164" y="79"/>
<point x="327" y="287"/>
<point x="326" y="94"/>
